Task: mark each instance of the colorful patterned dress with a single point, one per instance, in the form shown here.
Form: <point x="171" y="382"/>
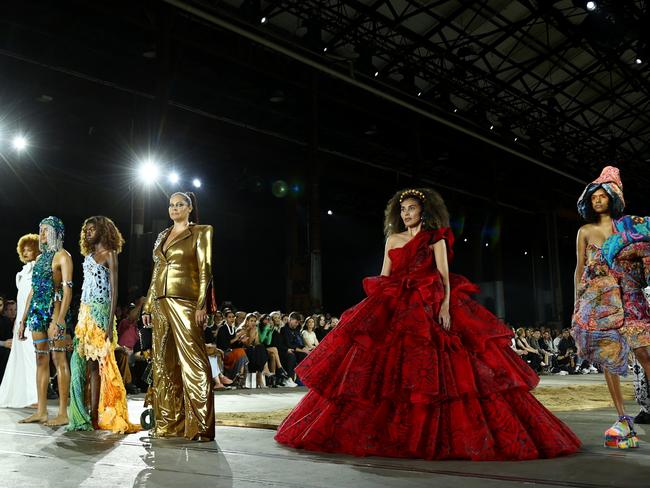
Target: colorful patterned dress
<point x="90" y="344"/>
<point x="598" y="315"/>
<point x="612" y="316"/>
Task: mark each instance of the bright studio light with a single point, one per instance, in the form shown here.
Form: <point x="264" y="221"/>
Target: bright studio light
<point x="329" y="212"/>
<point x="148" y="172"/>
<point x="638" y="61"/>
<point x="591" y="6"/>
<point x="19" y="143"/>
<point x="173" y="177"/>
<point x="196" y="183"/>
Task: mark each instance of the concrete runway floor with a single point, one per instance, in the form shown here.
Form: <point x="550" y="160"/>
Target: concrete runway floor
<point x="35" y="455"/>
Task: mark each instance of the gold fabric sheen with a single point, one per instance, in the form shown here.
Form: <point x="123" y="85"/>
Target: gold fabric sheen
<point x="184" y="270"/>
<point x="182" y="394"/>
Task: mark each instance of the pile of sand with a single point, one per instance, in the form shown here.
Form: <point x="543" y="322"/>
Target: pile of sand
<point x="555" y="398"/>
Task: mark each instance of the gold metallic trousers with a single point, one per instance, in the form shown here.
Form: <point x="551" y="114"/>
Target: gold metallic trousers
<point x="183" y="401"/>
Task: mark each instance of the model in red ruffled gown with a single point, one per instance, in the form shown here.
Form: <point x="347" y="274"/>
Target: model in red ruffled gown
<point x="419" y="369"/>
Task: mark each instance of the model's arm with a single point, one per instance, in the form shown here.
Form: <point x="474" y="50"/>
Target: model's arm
<point x="385" y="268"/>
<point x="204" y="261"/>
<point x="581" y="247"/>
<point x="112" y="266"/>
<point x="65" y="261"/>
<point x="440" y="254"/>
<point x="23" y="320"/>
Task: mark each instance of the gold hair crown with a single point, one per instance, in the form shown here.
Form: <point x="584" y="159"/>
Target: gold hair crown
<point x="412" y="193"/>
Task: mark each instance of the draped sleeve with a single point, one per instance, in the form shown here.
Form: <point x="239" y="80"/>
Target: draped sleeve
<point x="446" y="234"/>
<point x="204" y="259"/>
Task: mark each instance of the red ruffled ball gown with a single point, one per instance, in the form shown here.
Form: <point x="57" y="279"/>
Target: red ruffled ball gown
<point x="389" y="381"/>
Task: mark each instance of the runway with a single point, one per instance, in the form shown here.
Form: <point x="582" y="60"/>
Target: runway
<point x="35" y="455"/>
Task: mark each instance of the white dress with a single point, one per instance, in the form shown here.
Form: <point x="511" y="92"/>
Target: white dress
<point x="18" y="388"/>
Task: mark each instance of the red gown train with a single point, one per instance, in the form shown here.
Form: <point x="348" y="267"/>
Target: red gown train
<point x="389" y="381"/>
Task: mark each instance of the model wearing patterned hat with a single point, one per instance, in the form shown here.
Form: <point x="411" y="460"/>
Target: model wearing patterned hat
<point x="612" y="316"/>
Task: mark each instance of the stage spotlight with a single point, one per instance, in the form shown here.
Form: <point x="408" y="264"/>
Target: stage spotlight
<point x="638" y="60"/>
<point x="280" y="189"/>
<point x="173" y="177"/>
<point x="487" y="244"/>
<point x="19" y="143"/>
<point x="465" y="240"/>
<point x="591" y="6"/>
<point x="491" y="127"/>
<point x="525" y="253"/>
<point x="329" y="212"/>
<point x="148" y="172"/>
<point x="196" y="183"/>
<point x="419" y="94"/>
<point x="263" y="20"/>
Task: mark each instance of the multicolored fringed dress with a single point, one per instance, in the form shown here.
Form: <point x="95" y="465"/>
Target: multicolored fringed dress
<point x="612" y="316"/>
<point x="90" y="343"/>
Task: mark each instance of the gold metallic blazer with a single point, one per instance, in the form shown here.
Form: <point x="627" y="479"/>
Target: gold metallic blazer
<point x="185" y="269"/>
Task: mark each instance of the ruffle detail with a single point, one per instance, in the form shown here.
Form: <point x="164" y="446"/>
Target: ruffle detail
<point x="91" y="336"/>
<point x="501" y="427"/>
<point x="91" y="344"/>
<point x="389" y="381"/>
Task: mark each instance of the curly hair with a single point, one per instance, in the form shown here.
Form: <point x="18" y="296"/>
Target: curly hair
<point x="110" y="236"/>
<point x="434" y="211"/>
<point x="24" y="241"/>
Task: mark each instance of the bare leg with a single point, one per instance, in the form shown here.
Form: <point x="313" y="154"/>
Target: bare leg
<point x="94" y="393"/>
<point x="614" y="386"/>
<point x="42" y="380"/>
<point x="63" y="378"/>
<point x="274" y="359"/>
<point x="643" y="356"/>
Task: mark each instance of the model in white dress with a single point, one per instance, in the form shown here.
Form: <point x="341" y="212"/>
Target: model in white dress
<point x="18" y="388"/>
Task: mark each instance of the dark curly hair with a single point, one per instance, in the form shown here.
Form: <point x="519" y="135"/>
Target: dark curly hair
<point x="434" y="211"/>
<point x="110" y="235"/>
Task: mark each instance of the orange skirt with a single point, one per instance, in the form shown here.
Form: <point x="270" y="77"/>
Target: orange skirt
<point x="231" y="358"/>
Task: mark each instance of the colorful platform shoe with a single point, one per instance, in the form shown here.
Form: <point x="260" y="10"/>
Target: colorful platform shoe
<point x="621" y="435"/>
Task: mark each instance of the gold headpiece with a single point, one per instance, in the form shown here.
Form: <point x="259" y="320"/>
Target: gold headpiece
<point x="412" y="193"/>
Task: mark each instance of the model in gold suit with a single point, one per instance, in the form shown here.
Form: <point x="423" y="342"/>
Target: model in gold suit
<point x="183" y="401"/>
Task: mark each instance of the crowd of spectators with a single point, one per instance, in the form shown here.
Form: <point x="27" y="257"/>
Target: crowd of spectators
<point x="550" y="351"/>
<point x="253" y="349"/>
<point x="246" y="349"/>
<point x="258" y="350"/>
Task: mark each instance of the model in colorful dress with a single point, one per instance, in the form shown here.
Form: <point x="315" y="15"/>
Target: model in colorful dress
<point x="612" y="316"/>
<point x="47" y="317"/>
<point x="422" y="370"/>
<point x="96" y="335"/>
